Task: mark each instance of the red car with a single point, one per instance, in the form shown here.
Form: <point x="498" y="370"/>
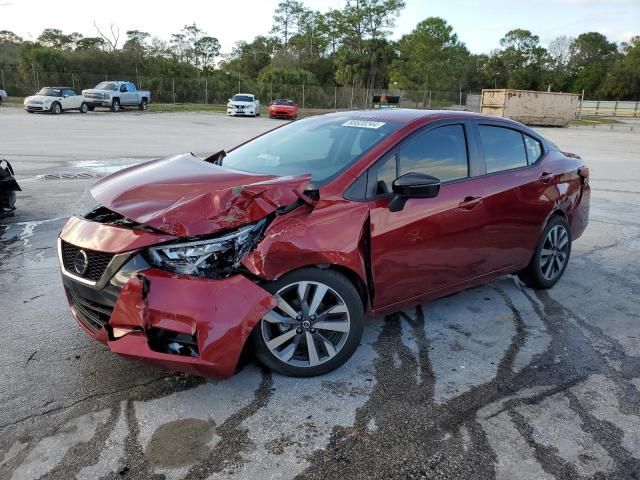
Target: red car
<point x="283" y="108"/>
<point x="290" y="239"/>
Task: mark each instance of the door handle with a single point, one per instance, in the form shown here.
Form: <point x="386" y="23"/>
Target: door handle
<point x="546" y="177"/>
<point x="469" y="202"/>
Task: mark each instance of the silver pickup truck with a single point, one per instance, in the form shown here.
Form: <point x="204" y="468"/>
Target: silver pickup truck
<point x="116" y="95"/>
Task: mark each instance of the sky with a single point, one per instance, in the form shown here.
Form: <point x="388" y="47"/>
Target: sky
<point x="479" y="24"/>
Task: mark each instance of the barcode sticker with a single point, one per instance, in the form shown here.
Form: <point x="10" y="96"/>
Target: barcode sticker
<point x="363" y="124"/>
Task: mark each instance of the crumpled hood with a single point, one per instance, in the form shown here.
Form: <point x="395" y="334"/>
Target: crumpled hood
<point x="186" y="196"/>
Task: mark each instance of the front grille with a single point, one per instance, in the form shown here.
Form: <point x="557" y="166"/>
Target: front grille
<point x="94" y="315"/>
<point x="34" y="108"/>
<point x="97" y="262"/>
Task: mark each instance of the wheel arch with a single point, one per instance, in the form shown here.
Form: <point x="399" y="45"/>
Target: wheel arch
<point x="351" y="275"/>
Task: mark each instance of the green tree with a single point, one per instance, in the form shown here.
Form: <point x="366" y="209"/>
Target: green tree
<point x="206" y="50"/>
<point x="623" y="79"/>
<point x="286" y="19"/>
<point x="591" y="57"/>
<point x="431" y="57"/>
<point x="523" y="59"/>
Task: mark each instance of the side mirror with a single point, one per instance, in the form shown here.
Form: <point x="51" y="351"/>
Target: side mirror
<point x="413" y="185"/>
<point x="228" y="100"/>
<point x="65" y="96"/>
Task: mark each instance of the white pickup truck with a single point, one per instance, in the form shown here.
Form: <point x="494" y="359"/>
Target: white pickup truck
<point x="116" y="95"/>
<point x="244" y="104"/>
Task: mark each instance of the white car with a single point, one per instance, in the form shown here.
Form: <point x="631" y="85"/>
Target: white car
<point x="244" y="104"/>
<point x="3" y="96"/>
<point x="55" y="100"/>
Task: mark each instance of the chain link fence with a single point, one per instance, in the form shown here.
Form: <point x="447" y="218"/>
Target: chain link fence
<point x="217" y="89"/>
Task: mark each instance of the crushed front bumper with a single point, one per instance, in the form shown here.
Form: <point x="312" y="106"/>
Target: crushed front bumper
<point x="195" y="325"/>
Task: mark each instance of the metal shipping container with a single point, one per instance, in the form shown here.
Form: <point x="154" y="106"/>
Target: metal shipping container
<point x="530" y="107"/>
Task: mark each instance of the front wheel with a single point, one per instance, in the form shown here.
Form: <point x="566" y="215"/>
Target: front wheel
<point x="315" y="327"/>
<point x="551" y="256"/>
<point x="92" y="108"/>
<point x="56" y="109"/>
<point x="115" y="105"/>
<point x="84" y="108"/>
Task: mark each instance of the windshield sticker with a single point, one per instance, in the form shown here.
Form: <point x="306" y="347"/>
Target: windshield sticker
<point x="363" y="124"/>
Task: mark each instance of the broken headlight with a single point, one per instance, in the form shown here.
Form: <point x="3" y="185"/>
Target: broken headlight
<point x="214" y="257"/>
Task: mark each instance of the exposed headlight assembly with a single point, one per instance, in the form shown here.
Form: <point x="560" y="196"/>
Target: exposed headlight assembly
<point x="212" y="258"/>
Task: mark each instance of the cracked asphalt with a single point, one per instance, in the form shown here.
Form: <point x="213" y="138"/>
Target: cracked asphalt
<point x="498" y="381"/>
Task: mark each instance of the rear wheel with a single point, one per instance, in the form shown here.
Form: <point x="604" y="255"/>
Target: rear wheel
<point x="143" y="104"/>
<point x="56" y="108"/>
<point x="315" y="327"/>
<point x="115" y="105"/>
<point x="84" y="108"/>
<point x="551" y="256"/>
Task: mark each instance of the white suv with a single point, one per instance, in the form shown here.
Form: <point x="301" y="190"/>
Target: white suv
<point x="55" y="100"/>
<point x="244" y="104"/>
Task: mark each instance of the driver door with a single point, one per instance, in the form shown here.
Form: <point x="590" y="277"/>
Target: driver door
<point x="432" y="243"/>
<point x="70" y="100"/>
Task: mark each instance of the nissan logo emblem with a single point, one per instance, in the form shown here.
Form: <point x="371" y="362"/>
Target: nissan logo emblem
<point x="80" y="262"/>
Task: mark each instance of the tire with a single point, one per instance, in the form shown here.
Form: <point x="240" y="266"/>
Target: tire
<point x="83" y="108"/>
<point x="551" y="256"/>
<point x="91" y="108"/>
<point x="30" y="111"/>
<point x="143" y="104"/>
<point x="56" y="108"/>
<point x="291" y="327"/>
<point x="115" y="105"/>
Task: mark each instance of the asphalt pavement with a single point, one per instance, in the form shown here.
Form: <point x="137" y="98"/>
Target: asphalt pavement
<point x="498" y="381"/>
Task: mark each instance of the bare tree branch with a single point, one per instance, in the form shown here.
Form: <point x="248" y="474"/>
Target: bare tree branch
<point x="111" y="40"/>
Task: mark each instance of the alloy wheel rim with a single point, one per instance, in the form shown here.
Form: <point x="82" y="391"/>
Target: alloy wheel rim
<point x="553" y="255"/>
<point x="308" y="327"/>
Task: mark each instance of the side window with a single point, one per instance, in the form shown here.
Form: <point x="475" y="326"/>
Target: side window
<point x="383" y="173"/>
<point x="69" y="93"/>
<point x="123" y="88"/>
<point x="503" y="148"/>
<point x="131" y="87"/>
<point x="534" y="149"/>
<point x="441" y="153"/>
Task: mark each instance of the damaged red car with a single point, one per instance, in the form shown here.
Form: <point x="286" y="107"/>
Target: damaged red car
<point x="288" y="241"/>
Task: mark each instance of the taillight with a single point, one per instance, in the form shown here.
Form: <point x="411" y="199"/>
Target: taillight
<point x="583" y="173"/>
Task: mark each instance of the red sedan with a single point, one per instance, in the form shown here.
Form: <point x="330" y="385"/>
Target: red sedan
<point x="289" y="240"/>
<point x="283" y="108"/>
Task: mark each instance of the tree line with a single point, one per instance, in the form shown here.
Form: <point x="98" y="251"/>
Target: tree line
<point x="349" y="47"/>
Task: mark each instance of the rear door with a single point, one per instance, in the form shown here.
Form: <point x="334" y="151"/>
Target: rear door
<point x="519" y="192"/>
<point x="433" y="242"/>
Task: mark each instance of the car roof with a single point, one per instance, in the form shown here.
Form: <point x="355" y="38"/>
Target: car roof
<point x="61" y="88"/>
<point x="409" y="115"/>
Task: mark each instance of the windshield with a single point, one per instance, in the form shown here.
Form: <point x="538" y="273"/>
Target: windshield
<point x="242" y="98"/>
<point x="50" y="92"/>
<point x="282" y="101"/>
<point x="107" y="86"/>
<point x="322" y="146"/>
